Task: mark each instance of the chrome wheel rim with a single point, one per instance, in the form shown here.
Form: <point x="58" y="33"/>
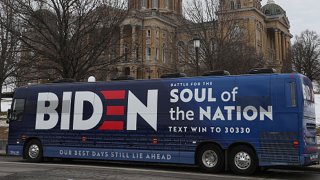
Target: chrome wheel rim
<point x="210" y="158"/>
<point x="34" y="151"/>
<point x="242" y="160"/>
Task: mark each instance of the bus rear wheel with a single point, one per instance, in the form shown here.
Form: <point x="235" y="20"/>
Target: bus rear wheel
<point x="33" y="151"/>
<point x="210" y="158"/>
<point x="243" y="160"/>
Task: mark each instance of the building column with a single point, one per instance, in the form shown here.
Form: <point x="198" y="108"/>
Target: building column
<point x="284" y="47"/>
<point x="276" y="44"/>
<point x="134" y="44"/>
<point x="280" y="47"/>
<point x="121" y="40"/>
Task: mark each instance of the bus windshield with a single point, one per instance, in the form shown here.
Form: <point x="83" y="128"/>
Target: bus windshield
<point x="307" y="87"/>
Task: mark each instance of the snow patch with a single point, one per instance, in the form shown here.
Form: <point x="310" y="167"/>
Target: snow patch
<point x="5" y="104"/>
<point x="3" y="123"/>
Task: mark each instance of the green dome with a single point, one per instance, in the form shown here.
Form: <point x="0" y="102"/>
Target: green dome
<point x="272" y="9"/>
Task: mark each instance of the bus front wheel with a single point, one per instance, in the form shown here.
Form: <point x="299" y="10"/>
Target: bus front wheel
<point x="210" y="158"/>
<point x="33" y="151"/>
<point x="243" y="160"/>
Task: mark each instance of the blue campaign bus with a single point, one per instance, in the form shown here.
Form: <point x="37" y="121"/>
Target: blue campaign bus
<point x="239" y="122"/>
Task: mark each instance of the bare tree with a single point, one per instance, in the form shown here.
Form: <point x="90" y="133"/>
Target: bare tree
<point x="306" y="54"/>
<point x="67" y="38"/>
<point x="224" y="39"/>
<point x="9" y="44"/>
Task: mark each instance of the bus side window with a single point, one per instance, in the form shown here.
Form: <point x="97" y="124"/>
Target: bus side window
<point x="18" y="109"/>
<point x="291" y="94"/>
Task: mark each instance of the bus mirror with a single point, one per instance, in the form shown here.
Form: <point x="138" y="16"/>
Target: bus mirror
<point x="9" y="116"/>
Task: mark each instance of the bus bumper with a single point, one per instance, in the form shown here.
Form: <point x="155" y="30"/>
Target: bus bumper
<point x="14" y="150"/>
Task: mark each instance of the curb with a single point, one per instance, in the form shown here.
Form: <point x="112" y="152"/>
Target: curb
<point x="308" y="168"/>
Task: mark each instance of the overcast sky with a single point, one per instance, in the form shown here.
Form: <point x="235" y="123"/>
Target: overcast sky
<point x="302" y="14"/>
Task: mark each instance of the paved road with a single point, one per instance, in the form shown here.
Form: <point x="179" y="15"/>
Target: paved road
<point x="12" y="168"/>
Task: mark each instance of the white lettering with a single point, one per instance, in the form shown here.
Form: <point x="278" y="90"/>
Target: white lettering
<point x="250" y="117"/>
<point x="49" y="110"/>
<point x="86" y="96"/>
<point x="266" y="113"/>
<point x="148" y="113"/>
<point x="66" y="110"/>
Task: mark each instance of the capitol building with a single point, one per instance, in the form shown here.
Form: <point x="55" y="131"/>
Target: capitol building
<point x="152" y="39"/>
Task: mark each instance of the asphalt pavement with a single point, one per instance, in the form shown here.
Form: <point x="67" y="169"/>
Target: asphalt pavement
<point x="14" y="168"/>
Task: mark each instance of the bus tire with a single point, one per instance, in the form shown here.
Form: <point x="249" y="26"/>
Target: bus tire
<point x="33" y="151"/>
<point x="210" y="158"/>
<point x="243" y="160"/>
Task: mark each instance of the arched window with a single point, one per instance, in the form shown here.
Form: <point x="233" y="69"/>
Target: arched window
<point x="181" y="52"/>
<point x="155" y="4"/>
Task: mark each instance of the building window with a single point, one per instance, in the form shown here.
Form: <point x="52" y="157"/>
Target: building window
<point x="213" y="46"/>
<point x="149" y="33"/>
<point x="164" y="53"/>
<point x="181" y="52"/>
<point x="144" y="3"/>
<point x="157" y="54"/>
<point x="127" y="71"/>
<point x="191" y="52"/>
<point x="238" y="4"/>
<point x="155" y="4"/>
<point x="267" y="12"/>
<point x="125" y="52"/>
<point x="157" y="34"/>
<point x="148" y="55"/>
<point x="232" y="5"/>
<point x="137" y="53"/>
<point x="113" y="53"/>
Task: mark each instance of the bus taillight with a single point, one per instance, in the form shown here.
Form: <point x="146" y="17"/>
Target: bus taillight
<point x="295" y="143"/>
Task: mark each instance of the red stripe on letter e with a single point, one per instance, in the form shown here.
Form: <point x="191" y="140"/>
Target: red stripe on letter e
<point x="111" y="95"/>
<point x="112" y="126"/>
<point x="115" y="110"/>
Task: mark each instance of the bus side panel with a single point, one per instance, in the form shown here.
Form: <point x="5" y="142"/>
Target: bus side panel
<point x="176" y="136"/>
<point x="277" y="138"/>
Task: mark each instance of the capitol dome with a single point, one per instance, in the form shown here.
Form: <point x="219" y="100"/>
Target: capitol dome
<point x="273" y="9"/>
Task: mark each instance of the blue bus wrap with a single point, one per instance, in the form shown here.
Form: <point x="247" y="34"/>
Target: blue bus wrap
<point x="240" y="121"/>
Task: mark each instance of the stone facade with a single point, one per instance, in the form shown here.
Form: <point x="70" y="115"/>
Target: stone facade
<point x="267" y="27"/>
<point x="150" y="36"/>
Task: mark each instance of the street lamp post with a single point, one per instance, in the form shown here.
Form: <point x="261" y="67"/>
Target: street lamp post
<point x="196" y="43"/>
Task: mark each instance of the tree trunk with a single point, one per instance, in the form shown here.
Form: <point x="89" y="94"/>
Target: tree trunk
<point x="0" y="95"/>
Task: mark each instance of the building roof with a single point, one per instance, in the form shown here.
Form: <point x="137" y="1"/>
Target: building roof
<point x="273" y="9"/>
